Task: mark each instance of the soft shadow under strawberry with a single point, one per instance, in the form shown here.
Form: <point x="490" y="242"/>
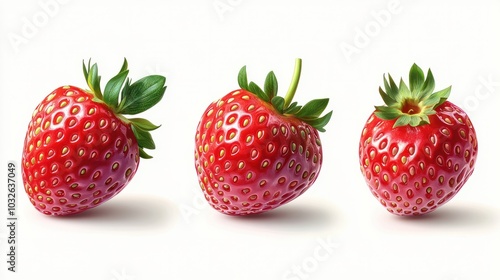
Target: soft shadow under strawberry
<point x="128" y="211"/>
<point x="462" y="216"/>
<point x="295" y="217"/>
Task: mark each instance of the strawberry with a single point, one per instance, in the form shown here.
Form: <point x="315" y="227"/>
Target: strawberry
<point x="256" y="150"/>
<point x="79" y="149"/>
<point x="418" y="150"/>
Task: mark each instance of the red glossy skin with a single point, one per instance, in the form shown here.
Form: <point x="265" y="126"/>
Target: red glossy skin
<point x="250" y="159"/>
<point x="77" y="154"/>
<point x="414" y="170"/>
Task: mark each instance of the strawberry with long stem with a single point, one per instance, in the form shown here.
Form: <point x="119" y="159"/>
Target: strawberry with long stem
<point x="256" y="150"/>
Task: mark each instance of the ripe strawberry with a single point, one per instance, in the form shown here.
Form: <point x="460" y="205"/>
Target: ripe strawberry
<point x="418" y="150"/>
<point x="255" y="150"/>
<point x="80" y="150"/>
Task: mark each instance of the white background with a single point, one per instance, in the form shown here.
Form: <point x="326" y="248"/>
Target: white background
<point x="158" y="228"/>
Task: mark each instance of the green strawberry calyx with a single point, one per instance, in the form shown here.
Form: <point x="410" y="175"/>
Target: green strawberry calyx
<point x="126" y="98"/>
<point x="309" y="113"/>
<point x="411" y="106"/>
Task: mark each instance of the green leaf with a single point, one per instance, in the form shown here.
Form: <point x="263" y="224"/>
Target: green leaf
<point x="112" y="92"/>
<point x="404" y="92"/>
<point x="424" y="119"/>
<point x="427" y="87"/>
<point x="402" y="121"/>
<point x="143" y="124"/>
<point x="294" y="104"/>
<point x="431" y="101"/>
<point x="271" y="85"/>
<point x="391" y="88"/>
<point x="92" y="78"/>
<point x="292" y="109"/>
<point x="278" y="103"/>
<point x="430" y="112"/>
<point x="125" y="90"/>
<point x="124" y="65"/>
<point x="320" y="123"/>
<point x="144" y="138"/>
<point x="254" y="88"/>
<point x="437" y="98"/>
<point x="387" y="113"/>
<point x="242" y="78"/>
<point x="416" y="78"/>
<point x="313" y="108"/>
<point x="112" y="89"/>
<point x="415" y="120"/>
<point x="142" y="95"/>
<point x="85" y="71"/>
<point x="143" y="154"/>
<point x="94" y="81"/>
<point x="387" y="99"/>
<point x="443" y="95"/>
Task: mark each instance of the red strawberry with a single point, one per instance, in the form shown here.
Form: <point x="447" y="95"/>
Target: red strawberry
<point x="255" y="150"/>
<point x="80" y="150"/>
<point x="418" y="150"/>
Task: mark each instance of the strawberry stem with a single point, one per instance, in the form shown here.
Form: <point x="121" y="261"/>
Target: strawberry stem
<point x="294" y="83"/>
<point x="309" y="113"/>
<point x="124" y="97"/>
